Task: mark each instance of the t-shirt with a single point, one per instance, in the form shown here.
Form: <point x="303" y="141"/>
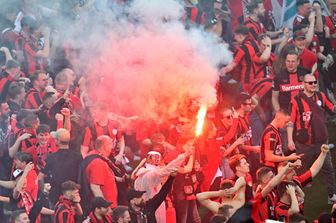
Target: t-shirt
<point x="98" y="172"/>
<point x="270" y="140"/>
<point x="62" y="165"/>
<point x="289" y="85"/>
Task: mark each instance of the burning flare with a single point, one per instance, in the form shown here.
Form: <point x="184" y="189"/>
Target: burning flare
<point x="200" y="119"/>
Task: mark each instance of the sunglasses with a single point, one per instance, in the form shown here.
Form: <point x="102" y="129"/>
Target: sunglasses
<point x="311" y="82"/>
<point x="247" y="104"/>
<point x="228" y="117"/>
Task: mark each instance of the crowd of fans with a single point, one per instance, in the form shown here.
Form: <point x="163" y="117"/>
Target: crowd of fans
<point x="67" y="158"/>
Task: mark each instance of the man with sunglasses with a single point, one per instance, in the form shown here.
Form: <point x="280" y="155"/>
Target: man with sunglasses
<point x="307" y="130"/>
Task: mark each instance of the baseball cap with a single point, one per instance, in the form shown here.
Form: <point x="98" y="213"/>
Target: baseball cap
<point x="299" y="35"/>
<point x="99" y="202"/>
<point x="134" y="194"/>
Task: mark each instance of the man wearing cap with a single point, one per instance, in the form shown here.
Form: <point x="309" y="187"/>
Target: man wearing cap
<point x="142" y="211"/>
<point x="62" y="165"/>
<point x="68" y="205"/>
<point x="307" y="58"/>
<point x="100" y="211"/>
<point x="151" y="176"/>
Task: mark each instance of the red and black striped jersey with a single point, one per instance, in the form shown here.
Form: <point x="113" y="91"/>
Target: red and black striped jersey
<point x="64" y="211"/>
<point x="95" y="130"/>
<point x="263" y="70"/>
<point x="281" y="211"/>
<point x="244" y="58"/>
<point x="33" y="99"/>
<point x="302" y="114"/>
<point x="270" y="140"/>
<point x="266" y="208"/>
<point x="244" y="129"/>
<point x="255" y="28"/>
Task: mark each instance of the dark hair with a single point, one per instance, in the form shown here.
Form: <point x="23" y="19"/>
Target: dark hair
<point x="243" y="30"/>
<point x="118" y="212"/>
<point x="15" y="88"/>
<point x="24" y="157"/>
<point x="10" y="64"/>
<point x="69" y="185"/>
<point x="297" y="218"/>
<point x="282" y="187"/>
<point x="300" y="3"/>
<point x="241" y="98"/>
<point x="253" y="5"/>
<point x="226" y="184"/>
<point x="34" y="76"/>
<point x="279" y="63"/>
<point x="261" y="172"/>
<point x="43" y="128"/>
<point x="234" y="161"/>
<point x="292" y="52"/>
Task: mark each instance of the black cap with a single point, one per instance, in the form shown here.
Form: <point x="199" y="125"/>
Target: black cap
<point x="134" y="194"/>
<point x="99" y="202"/>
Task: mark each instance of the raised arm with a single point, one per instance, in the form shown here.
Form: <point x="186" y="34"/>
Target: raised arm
<point x="205" y="200"/>
<point x="317" y="165"/>
<point x="294" y="208"/>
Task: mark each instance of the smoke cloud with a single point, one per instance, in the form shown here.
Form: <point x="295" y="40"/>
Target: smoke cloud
<point x="142" y="61"/>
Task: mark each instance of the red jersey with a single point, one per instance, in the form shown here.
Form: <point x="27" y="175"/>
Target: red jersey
<point x="307" y="60"/>
<point x="98" y="172"/>
<point x="255" y="28"/>
<point x="270" y="140"/>
<point x="32" y="61"/>
<point x="315" y="45"/>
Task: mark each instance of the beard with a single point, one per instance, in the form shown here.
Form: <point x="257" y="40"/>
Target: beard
<point x="141" y="204"/>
